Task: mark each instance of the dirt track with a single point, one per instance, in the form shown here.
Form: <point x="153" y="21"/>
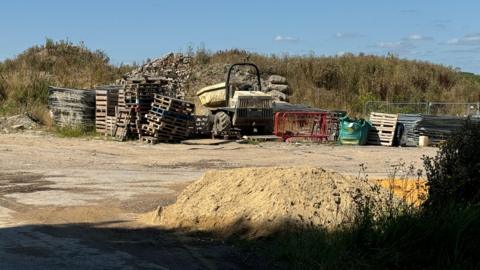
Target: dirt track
<point x="73" y="202"/>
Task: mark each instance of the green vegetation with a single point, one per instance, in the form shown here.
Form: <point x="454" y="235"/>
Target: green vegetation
<point x="24" y="80"/>
<point x="410" y="240"/>
<point x="74" y="132"/>
<point x="340" y="82"/>
<point x="441" y="234"/>
<point x="347" y="82"/>
<point x="454" y="174"/>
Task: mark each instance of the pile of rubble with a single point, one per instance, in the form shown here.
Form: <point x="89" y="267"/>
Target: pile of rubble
<point x="277" y="87"/>
<point x="173" y="69"/>
<point x="16" y="123"/>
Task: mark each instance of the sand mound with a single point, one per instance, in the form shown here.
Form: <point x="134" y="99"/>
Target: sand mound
<point x="255" y="201"/>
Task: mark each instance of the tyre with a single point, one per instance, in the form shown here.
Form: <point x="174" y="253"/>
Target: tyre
<point x="222" y="123"/>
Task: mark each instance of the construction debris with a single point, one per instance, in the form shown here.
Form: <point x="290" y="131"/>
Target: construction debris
<point x="169" y="120"/>
<point x="173" y="69"/>
<point x="277" y="86"/>
<point x="17" y="122"/>
<point x="72" y="107"/>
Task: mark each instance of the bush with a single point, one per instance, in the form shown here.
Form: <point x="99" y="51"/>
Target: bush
<point x="454" y="173"/>
<point x="24" y="80"/>
<point x="75" y="131"/>
<point x="407" y="240"/>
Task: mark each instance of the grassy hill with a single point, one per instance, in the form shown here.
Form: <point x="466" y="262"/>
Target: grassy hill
<point x="340" y="82"/>
<point x="347" y="82"/>
<point x="24" y="80"/>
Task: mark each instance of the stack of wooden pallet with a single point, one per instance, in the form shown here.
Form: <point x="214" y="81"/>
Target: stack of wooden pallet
<point x="383" y="129"/>
<point x="137" y="96"/>
<point x="100" y="110"/>
<point x="105" y="102"/>
<point x="169" y="120"/>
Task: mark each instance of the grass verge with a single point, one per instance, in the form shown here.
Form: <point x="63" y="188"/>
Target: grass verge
<point x="74" y="132"/>
<point x="409" y="240"/>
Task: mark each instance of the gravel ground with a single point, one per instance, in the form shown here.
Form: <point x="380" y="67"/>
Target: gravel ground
<point x="74" y="202"/>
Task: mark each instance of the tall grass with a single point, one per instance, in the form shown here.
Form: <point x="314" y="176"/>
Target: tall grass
<point x="24" y="80"/>
<point x="339" y="82"/>
<point x="442" y="233"/>
<point x="347" y="82"/>
<point x="407" y="240"/>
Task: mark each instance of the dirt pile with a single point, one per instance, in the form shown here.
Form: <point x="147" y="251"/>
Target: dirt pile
<point x="16" y="123"/>
<point x="258" y="201"/>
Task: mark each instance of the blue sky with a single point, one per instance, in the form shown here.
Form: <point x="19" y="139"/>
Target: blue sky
<point x="445" y="32"/>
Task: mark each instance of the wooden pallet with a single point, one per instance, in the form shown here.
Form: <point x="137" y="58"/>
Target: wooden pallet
<point x="178" y="104"/>
<point x="153" y="131"/>
<point x="148" y="139"/>
<point x="122" y="125"/>
<point x="110" y="126"/>
<point x="383" y="129"/>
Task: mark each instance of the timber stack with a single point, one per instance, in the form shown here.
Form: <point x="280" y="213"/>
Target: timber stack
<point x="136" y="97"/>
<point x="169" y="120"/>
<point x="106" y="100"/>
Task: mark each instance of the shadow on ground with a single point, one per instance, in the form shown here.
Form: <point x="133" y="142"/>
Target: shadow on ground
<point x="107" y="246"/>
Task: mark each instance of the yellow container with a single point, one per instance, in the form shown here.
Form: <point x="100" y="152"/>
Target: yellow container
<point x="213" y="95"/>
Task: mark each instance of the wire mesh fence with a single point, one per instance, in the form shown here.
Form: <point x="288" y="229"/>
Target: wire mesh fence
<point x="429" y="108"/>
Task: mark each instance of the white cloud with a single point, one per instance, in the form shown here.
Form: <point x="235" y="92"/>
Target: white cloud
<point x="281" y="38"/>
<point x="347" y="35"/>
<point x="467" y="40"/>
<point x="453" y="41"/>
<point x="417" y="37"/>
<point x="406" y="45"/>
<point x="399" y="47"/>
<point x="391" y="45"/>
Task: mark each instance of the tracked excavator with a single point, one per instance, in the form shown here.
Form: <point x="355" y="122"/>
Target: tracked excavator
<point x="238" y="107"/>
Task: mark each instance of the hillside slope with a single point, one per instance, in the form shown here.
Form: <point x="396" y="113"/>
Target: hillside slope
<point x="344" y="82"/>
<point x="24" y="80"/>
<point x="347" y="82"/>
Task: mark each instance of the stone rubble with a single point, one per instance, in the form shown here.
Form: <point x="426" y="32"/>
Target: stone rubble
<point x="175" y="68"/>
<point x="17" y="123"/>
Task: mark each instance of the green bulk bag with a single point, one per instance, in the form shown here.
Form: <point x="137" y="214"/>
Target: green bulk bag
<point x="353" y="131"/>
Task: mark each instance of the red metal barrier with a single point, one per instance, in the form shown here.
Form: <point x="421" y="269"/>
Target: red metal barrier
<point x="313" y="126"/>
